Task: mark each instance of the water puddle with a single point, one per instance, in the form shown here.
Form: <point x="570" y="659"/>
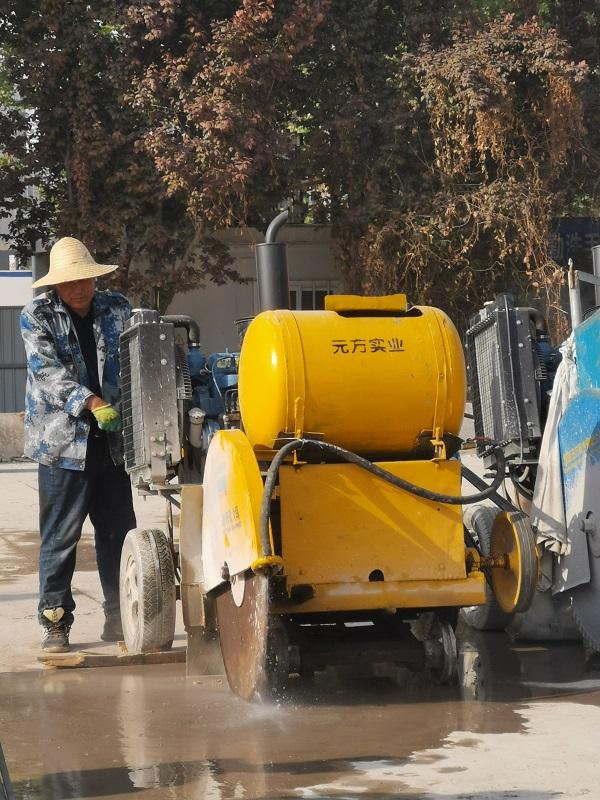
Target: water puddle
<point x="149" y="731"/>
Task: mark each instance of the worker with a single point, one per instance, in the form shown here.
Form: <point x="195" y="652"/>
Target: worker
<point x="73" y="430"/>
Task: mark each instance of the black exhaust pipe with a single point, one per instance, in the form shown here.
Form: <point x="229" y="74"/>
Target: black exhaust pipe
<point x="183" y="321"/>
<point x="271" y="268"/>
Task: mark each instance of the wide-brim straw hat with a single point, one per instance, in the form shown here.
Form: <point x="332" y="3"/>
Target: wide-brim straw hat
<point x="70" y="260"/>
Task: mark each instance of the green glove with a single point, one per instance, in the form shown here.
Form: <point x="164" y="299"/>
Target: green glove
<point x="108" y="418"/>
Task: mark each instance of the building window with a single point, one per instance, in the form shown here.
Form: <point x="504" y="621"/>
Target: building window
<point x="310" y="295"/>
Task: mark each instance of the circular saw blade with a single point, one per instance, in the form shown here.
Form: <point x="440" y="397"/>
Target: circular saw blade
<point x="243" y="620"/>
<point x="585" y="601"/>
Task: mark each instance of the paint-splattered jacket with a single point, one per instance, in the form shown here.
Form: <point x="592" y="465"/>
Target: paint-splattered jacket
<point x="56" y="420"/>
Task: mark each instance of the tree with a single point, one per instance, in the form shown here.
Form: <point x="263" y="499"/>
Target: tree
<point x="68" y="132"/>
<point x="214" y="81"/>
<point x="434" y="141"/>
<point x="496" y="118"/>
<point x="272" y="100"/>
<point x="437" y="165"/>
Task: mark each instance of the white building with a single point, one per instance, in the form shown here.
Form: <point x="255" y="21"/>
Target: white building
<point x="312" y="274"/>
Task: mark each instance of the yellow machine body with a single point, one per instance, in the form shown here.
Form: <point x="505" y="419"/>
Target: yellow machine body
<point x="367" y="374"/>
<point x="371" y="526"/>
<point x="354" y="541"/>
<point x="365" y="544"/>
<point x="372" y="376"/>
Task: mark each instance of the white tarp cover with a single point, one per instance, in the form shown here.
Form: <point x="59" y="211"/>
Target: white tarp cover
<point x="548" y="506"/>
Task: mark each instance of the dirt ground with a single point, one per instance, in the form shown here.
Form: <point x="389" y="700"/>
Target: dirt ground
<point x="522" y="721"/>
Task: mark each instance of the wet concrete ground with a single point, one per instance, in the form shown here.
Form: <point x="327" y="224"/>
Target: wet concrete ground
<point x="523" y="721"/>
<point x="19" y="543"/>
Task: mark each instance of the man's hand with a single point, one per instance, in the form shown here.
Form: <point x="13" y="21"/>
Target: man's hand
<point x="94" y="402"/>
<point x="107" y="417"/>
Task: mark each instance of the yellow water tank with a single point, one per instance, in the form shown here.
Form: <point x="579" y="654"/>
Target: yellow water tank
<point x="368" y="373"/>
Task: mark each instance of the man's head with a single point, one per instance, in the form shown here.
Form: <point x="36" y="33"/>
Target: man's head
<point x="72" y="262"/>
<point x="78" y="295"/>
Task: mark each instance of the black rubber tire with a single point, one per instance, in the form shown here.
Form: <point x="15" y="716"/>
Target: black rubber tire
<point x="488" y="617"/>
<point x="147" y="591"/>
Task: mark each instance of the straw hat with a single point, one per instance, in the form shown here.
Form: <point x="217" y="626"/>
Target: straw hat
<point x="70" y="260"/>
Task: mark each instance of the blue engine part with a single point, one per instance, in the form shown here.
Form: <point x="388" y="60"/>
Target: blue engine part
<point x="196" y="360"/>
<point x="214" y="381"/>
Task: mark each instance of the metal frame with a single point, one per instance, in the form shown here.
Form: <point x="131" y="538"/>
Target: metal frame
<point x="149" y="398"/>
<point x="575" y="278"/>
<point x="502" y="378"/>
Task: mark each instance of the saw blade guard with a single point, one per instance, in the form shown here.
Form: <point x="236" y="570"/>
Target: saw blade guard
<point x="230" y="521"/>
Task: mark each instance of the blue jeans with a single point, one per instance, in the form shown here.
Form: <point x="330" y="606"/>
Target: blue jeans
<point x="67" y="497"/>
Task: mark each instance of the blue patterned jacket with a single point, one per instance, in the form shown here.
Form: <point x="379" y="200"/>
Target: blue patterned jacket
<point x="56" y="420"/>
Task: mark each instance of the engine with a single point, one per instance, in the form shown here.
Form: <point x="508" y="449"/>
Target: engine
<point x="173" y="398"/>
<point x="511" y="367"/>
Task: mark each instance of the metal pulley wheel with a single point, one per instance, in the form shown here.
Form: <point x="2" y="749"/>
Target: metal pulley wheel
<point x="514" y="576"/>
<point x="479" y="519"/>
<point x="147" y="591"/>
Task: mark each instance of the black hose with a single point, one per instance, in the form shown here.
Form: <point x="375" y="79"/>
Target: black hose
<point x="501" y="502"/>
<point x="520" y="489"/>
<point x="265" y="506"/>
<point x="353" y="458"/>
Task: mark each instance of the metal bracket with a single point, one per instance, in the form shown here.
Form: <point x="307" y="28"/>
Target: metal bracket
<point x="477" y="562"/>
<point x="271" y="564"/>
<point x="439" y="446"/>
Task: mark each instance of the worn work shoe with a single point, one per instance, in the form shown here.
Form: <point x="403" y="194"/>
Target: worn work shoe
<point x="55" y="632"/>
<point x="113" y="629"/>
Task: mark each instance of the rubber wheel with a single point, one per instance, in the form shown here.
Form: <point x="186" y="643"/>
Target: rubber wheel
<point x="488" y="617"/>
<point x="147" y="591"/>
<point x="442" y="646"/>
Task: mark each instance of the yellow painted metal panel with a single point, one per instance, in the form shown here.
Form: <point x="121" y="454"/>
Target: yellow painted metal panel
<point x="331" y="597"/>
<point x="190" y="529"/>
<point x="368" y="383"/>
<point x="339" y="523"/>
<point x="353" y="302"/>
<point x="231" y="510"/>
